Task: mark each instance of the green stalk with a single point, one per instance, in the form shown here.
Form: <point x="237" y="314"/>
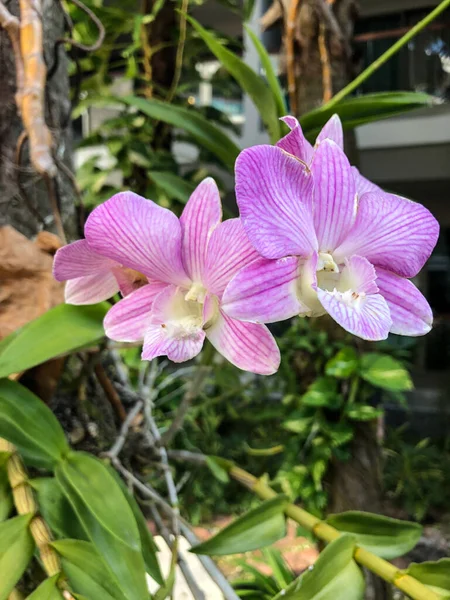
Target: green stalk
<point x="387" y="55"/>
<point x="384" y="569"/>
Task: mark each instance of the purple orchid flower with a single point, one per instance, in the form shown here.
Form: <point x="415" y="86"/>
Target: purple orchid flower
<point x="91" y="277"/>
<point x="296" y="144"/>
<point x="188" y="263"/>
<point x="325" y="247"/>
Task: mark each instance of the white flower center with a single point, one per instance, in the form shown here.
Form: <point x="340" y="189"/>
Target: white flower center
<point x="190" y="311"/>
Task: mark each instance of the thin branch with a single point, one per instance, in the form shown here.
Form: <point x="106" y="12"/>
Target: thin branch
<point x="180" y="52"/>
<point x="30" y="98"/>
<point x="52" y="189"/>
<point x="191" y="393"/>
<point x="197" y="593"/>
<point x="209" y="565"/>
<point x="23" y="137"/>
<point x="115" y="450"/>
<point x="110" y="391"/>
<point x="101" y="30"/>
<point x="11" y="25"/>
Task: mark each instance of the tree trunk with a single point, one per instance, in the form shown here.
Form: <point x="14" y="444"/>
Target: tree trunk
<point x="24" y="197"/>
<point x="356" y="484"/>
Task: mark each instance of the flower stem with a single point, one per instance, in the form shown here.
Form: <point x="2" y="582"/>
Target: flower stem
<point x="387" y="55"/>
<point x="387" y="571"/>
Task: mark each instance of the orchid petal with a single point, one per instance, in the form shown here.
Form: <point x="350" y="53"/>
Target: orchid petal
<point x="138" y="234"/>
<point x="410" y="312"/>
<point x="274" y="195"/>
<point x="391" y="232"/>
<point x="332" y="130"/>
<point x="295" y="142"/>
<point x="248" y="346"/>
<point x="128" y="320"/>
<point x="368" y="317"/>
<point x="334" y="195"/>
<point x="363" y="185"/>
<point x="158" y="343"/>
<point x="78" y="260"/>
<point x="129" y="280"/>
<point x="359" y="276"/>
<point x="229" y="250"/>
<point x="264" y="292"/>
<point x="91" y="288"/>
<point x="200" y="217"/>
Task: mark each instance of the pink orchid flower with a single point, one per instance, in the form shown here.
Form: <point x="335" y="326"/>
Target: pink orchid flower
<point x="91" y="277"/>
<point x="326" y="248"/>
<point x="296" y="144"/>
<point x="188" y="263"/>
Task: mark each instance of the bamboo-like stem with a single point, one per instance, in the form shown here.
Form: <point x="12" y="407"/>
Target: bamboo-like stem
<point x="25" y="504"/>
<point x="388" y="54"/>
<point x="11" y="25"/>
<point x="290" y="55"/>
<point x="387" y="571"/>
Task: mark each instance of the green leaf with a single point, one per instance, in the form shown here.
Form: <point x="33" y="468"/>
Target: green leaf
<point x="48" y="590"/>
<point x="363" y="412"/>
<point x="383" y="536"/>
<point x="174" y="186"/>
<point x="106" y="517"/>
<point x="205" y="133"/>
<point x="6" y="501"/>
<point x="343" y="364"/>
<point x="86" y="572"/>
<point x="217" y="470"/>
<point x="149" y="547"/>
<point x="250" y="82"/>
<point x="16" y="550"/>
<point x="61" y="330"/>
<point x="334" y="576"/>
<point x="29" y="424"/>
<point x="271" y="76"/>
<point x="56" y="509"/>
<point x="436" y="575"/>
<point x="259" y="527"/>
<point x="364" y="109"/>
<point x="322" y="392"/>
<point x="385" y="372"/>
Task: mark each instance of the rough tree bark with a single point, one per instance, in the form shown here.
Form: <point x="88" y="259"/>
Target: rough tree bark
<point x="20" y="185"/>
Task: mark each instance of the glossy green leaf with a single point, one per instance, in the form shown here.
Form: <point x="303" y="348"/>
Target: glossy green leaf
<point x="6" y="501"/>
<point x="271" y="76"/>
<point x="334" y="576"/>
<point x="322" y="392"/>
<point x="61" y="330"/>
<point x="343" y="364"/>
<point x="363" y="412"/>
<point x="174" y="186"/>
<point x="259" y="527"/>
<point x="56" y="509"/>
<point x="86" y="572"/>
<point x="107" y="518"/>
<point x="385" y="537"/>
<point x="252" y="84"/>
<point x="204" y="132"/>
<point x="48" y="590"/>
<point x="381" y="370"/>
<point x="359" y="110"/>
<point x="435" y="575"/>
<point x="16" y="550"/>
<point x="149" y="547"/>
<point x="30" y="425"/>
